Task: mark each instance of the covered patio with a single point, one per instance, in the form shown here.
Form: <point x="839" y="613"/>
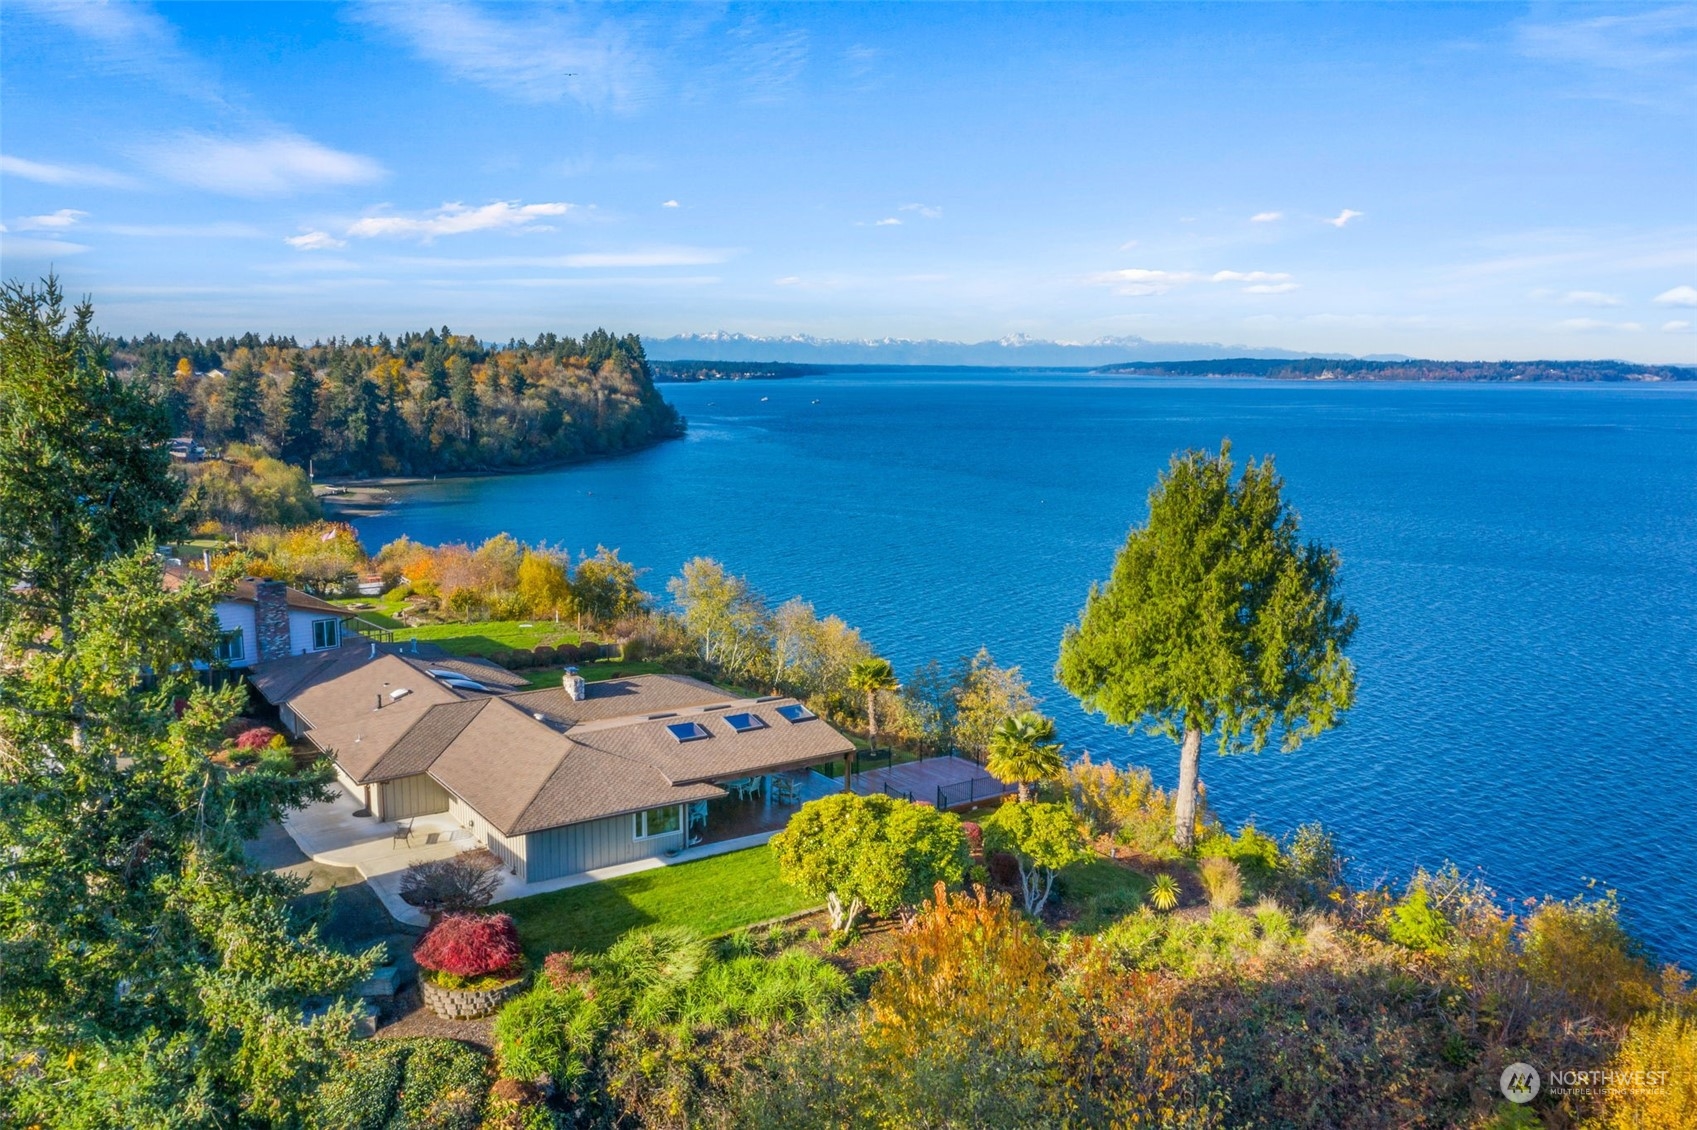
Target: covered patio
<point x="757" y="805"/>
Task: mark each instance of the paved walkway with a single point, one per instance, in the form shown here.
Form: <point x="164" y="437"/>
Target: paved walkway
<point x="332" y="836"/>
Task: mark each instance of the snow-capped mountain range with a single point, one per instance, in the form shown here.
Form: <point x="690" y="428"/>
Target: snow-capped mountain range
<point x="1014" y="350"/>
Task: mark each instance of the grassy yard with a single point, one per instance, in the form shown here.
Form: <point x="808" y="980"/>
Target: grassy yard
<point x="1099" y="891"/>
<point x="711" y="895"/>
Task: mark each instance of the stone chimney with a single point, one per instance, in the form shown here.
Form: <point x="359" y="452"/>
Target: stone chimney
<point x="271" y="619"/>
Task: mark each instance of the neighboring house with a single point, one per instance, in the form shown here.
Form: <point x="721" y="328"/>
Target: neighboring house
<point x="267" y="620"/>
<point x="554" y="781"/>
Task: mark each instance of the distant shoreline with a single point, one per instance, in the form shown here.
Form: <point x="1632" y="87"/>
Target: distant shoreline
<point x="349" y="499"/>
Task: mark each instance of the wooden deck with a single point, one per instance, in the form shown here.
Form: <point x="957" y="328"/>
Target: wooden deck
<point x="947" y="782"/>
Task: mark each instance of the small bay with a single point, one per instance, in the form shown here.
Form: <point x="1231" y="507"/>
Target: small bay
<point x="1523" y="559"/>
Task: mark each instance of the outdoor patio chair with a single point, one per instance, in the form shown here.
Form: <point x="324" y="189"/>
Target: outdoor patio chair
<point x="403" y="832"/>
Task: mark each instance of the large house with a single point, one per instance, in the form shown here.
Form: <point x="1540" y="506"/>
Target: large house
<point x="267" y="620"/>
<point x="555" y="781"/>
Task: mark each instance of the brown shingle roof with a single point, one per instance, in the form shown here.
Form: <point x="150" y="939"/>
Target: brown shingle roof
<point x="725" y="752"/>
<point x="622" y="698"/>
<point x="581" y="760"/>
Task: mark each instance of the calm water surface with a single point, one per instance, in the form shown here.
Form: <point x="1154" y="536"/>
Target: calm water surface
<point x="1523" y="560"/>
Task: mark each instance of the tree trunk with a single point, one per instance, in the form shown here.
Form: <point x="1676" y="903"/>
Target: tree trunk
<point x="1184" y="804"/>
<point x="1024" y="791"/>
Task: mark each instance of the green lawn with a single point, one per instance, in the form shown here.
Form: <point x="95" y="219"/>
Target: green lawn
<point x="486" y="636"/>
<point x="1100" y="891"/>
<point x="712" y="895"/>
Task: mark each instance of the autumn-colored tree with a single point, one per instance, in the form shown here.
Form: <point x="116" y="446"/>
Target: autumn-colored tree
<point x="986" y="696"/>
<point x="545" y="585"/>
<point x="970" y="1014"/>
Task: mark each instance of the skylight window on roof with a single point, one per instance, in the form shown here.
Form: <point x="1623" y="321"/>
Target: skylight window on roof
<point x="743" y="723"/>
<point x="796" y="712"/>
<point x="688" y="731"/>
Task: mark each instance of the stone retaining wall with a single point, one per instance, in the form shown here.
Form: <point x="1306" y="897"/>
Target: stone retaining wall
<point x="467" y="1004"/>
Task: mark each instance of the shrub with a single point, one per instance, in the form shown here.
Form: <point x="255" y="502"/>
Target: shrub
<point x="1223" y="881"/>
<point x="1163" y="893"/>
<point x="257" y="738"/>
<point x="455" y="885"/>
<point x="550" y="1033"/>
<point x="1311" y="855"/>
<point x="243" y="756"/>
<point x="276" y="760"/>
<point x="544" y="655"/>
<point x="974" y="838"/>
<point x="277" y="742"/>
<point x="1666" y="1042"/>
<point x="561" y="970"/>
<point x="416" y="1084"/>
<point x="470" y="945"/>
<point x="642" y="959"/>
<point x="1416" y="923"/>
<point x="1579" y="948"/>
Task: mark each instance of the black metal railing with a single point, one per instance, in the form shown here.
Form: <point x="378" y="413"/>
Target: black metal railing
<point x="967" y="792"/>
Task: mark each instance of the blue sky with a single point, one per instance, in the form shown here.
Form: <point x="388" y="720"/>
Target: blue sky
<point x="1455" y="180"/>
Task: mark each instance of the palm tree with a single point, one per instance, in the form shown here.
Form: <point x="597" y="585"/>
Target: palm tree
<point x="1023" y="750"/>
<point x="869" y="676"/>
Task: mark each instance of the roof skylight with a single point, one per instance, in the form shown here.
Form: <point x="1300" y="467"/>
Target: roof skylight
<point x="743" y="723"/>
<point x="796" y="712"/>
<point x="688" y="731"/>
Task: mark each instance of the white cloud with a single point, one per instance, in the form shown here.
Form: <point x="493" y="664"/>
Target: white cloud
<point x="457" y="219"/>
<point x="1266" y="217"/>
<point x="1678" y="296"/>
<point x="1128" y="245"/>
<point x="219" y="230"/>
<point x="930" y="212"/>
<point x="1272" y="288"/>
<point x="277" y="165"/>
<point x="131" y="39"/>
<point x="11" y="245"/>
<point x="44" y="173"/>
<point x="532" y="55"/>
<point x="657" y="257"/>
<point x="1143" y="282"/>
<point x="787" y="280"/>
<point x="1675" y="327"/>
<point x="669" y="204"/>
<point x="53" y="221"/>
<point x="1588" y="298"/>
<point x="1634" y="41"/>
<point x="1344" y="217"/>
<point x="315" y="241"/>
<point x="888" y="222"/>
<point x="1250" y="276"/>
<point x="1585" y="325"/>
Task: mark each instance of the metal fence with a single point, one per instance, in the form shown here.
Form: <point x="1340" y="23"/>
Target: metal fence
<point x="966" y="792"/>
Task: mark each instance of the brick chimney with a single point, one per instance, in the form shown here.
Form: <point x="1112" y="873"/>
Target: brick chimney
<point x="271" y="619"/>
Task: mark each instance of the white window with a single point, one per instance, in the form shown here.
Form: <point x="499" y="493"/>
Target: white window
<point x="326" y="633"/>
<point x="657" y="822"/>
<point x="230" y="646"/>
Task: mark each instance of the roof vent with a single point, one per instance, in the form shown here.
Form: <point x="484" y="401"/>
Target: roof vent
<point x="575" y="686"/>
<point x="399" y="693"/>
<point x="539" y="716"/>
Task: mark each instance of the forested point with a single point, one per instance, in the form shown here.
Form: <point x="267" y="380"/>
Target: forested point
<point x="1334" y="369"/>
<point x="420" y="404"/>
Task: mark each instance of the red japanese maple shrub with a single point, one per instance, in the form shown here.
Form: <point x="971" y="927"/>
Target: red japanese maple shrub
<point x="257" y="738"/>
<point x="470" y="945"/>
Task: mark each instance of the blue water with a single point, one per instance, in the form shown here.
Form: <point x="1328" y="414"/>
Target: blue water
<point x="1523" y="560"/>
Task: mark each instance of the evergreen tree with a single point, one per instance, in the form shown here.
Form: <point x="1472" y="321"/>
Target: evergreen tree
<point x="242" y="387"/>
<point x="147" y="977"/>
<point x="1217" y="620"/>
<point x="300" y="430"/>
